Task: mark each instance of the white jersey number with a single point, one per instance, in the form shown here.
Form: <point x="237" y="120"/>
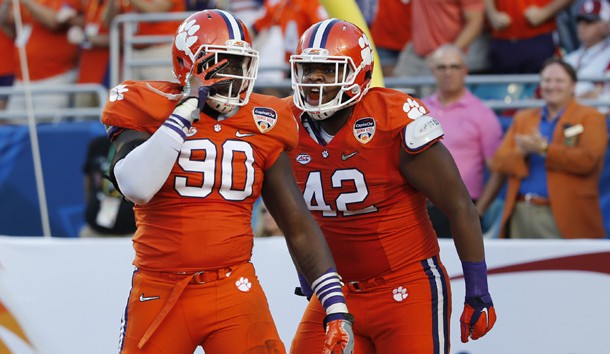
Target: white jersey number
<point x="314" y="193"/>
<point x="207" y="168"/>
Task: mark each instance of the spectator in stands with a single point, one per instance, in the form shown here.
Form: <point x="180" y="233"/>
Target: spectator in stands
<point x="435" y="23"/>
<point x="592" y="58"/>
<point x="567" y="38"/>
<point x="107" y="212"/>
<point x="51" y="59"/>
<point x="522" y="34"/>
<point x="265" y="225"/>
<point x="153" y="51"/>
<point x="7" y="61"/>
<point x="293" y="17"/>
<point x="553" y="159"/>
<point x="390" y="31"/>
<point x="472" y="130"/>
<point x="91" y="35"/>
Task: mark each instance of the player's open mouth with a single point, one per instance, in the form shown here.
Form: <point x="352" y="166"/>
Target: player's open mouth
<point x="313" y="97"/>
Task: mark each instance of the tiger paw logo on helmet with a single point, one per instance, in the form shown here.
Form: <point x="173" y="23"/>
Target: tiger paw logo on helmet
<point x="367" y="51"/>
<point x="186" y="38"/>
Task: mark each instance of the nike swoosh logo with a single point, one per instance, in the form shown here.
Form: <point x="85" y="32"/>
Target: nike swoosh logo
<point x="486" y="317"/>
<point x="148" y="298"/>
<point x="345" y="157"/>
<point x="242" y="135"/>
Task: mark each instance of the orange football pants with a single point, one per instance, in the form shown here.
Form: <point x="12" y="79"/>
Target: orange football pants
<point x="224" y="311"/>
<point x="406" y="311"/>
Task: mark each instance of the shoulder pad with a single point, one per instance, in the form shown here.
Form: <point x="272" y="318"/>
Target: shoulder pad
<point x="422" y="131"/>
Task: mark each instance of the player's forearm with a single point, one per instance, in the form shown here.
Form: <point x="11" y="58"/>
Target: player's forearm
<point x="467" y="235"/>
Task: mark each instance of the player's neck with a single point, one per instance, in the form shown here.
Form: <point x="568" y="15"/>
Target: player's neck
<point x="334" y="123"/>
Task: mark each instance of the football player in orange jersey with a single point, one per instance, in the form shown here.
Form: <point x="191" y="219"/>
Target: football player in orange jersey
<point x="366" y="161"/>
<point x="194" y="156"/>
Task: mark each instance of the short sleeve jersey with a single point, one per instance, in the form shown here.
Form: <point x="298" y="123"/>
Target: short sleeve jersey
<point x="201" y="217"/>
<point x="49" y="53"/>
<point x="519" y="27"/>
<point x="373" y="220"/>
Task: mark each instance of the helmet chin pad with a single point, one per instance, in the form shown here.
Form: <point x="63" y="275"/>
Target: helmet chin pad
<point x="223" y="104"/>
<point x="323" y="111"/>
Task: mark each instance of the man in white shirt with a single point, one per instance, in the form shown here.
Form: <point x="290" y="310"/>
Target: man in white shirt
<point x="592" y="58"/>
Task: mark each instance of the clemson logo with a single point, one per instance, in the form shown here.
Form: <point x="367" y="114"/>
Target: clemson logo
<point x="185" y="37"/>
<point x="367" y="51"/>
<point x="116" y="94"/>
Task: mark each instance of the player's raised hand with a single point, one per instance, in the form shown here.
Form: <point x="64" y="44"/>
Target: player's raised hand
<point x="339" y="334"/>
<point x="478" y="317"/>
<point x="202" y="81"/>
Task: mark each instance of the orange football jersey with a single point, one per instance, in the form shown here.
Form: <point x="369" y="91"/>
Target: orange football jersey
<point x="49" y="53"/>
<point x="201" y="217"/>
<point x="373" y="220"/>
<point x="294" y="17"/>
<point x="7" y="62"/>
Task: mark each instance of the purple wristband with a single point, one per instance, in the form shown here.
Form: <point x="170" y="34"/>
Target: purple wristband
<point x="475" y="277"/>
<point x="305" y="287"/>
<point x="328" y="290"/>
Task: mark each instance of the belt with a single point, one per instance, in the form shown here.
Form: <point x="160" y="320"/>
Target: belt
<point x="183" y="279"/>
<point x="533" y="199"/>
<point x="358" y="286"/>
<point x="201" y="277"/>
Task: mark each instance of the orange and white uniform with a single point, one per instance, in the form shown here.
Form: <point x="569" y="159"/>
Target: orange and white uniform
<point x="200" y="221"/>
<point x="378" y="230"/>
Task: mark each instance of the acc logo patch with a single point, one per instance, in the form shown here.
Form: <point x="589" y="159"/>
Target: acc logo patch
<point x="265" y="118"/>
<point x="303" y="159"/>
<point x="364" y="129"/>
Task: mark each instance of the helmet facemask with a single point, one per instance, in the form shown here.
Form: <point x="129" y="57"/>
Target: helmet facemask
<point x="242" y="68"/>
<point x="307" y="88"/>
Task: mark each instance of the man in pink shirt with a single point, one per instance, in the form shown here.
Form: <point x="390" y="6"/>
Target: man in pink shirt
<point x="472" y="130"/>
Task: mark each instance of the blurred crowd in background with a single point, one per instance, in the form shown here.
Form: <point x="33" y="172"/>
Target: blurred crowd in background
<point x="58" y="42"/>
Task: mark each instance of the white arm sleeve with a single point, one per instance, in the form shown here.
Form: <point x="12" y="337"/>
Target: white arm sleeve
<point x="143" y="171"/>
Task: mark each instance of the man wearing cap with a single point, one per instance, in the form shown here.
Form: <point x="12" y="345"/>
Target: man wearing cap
<point x="592" y="58"/>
